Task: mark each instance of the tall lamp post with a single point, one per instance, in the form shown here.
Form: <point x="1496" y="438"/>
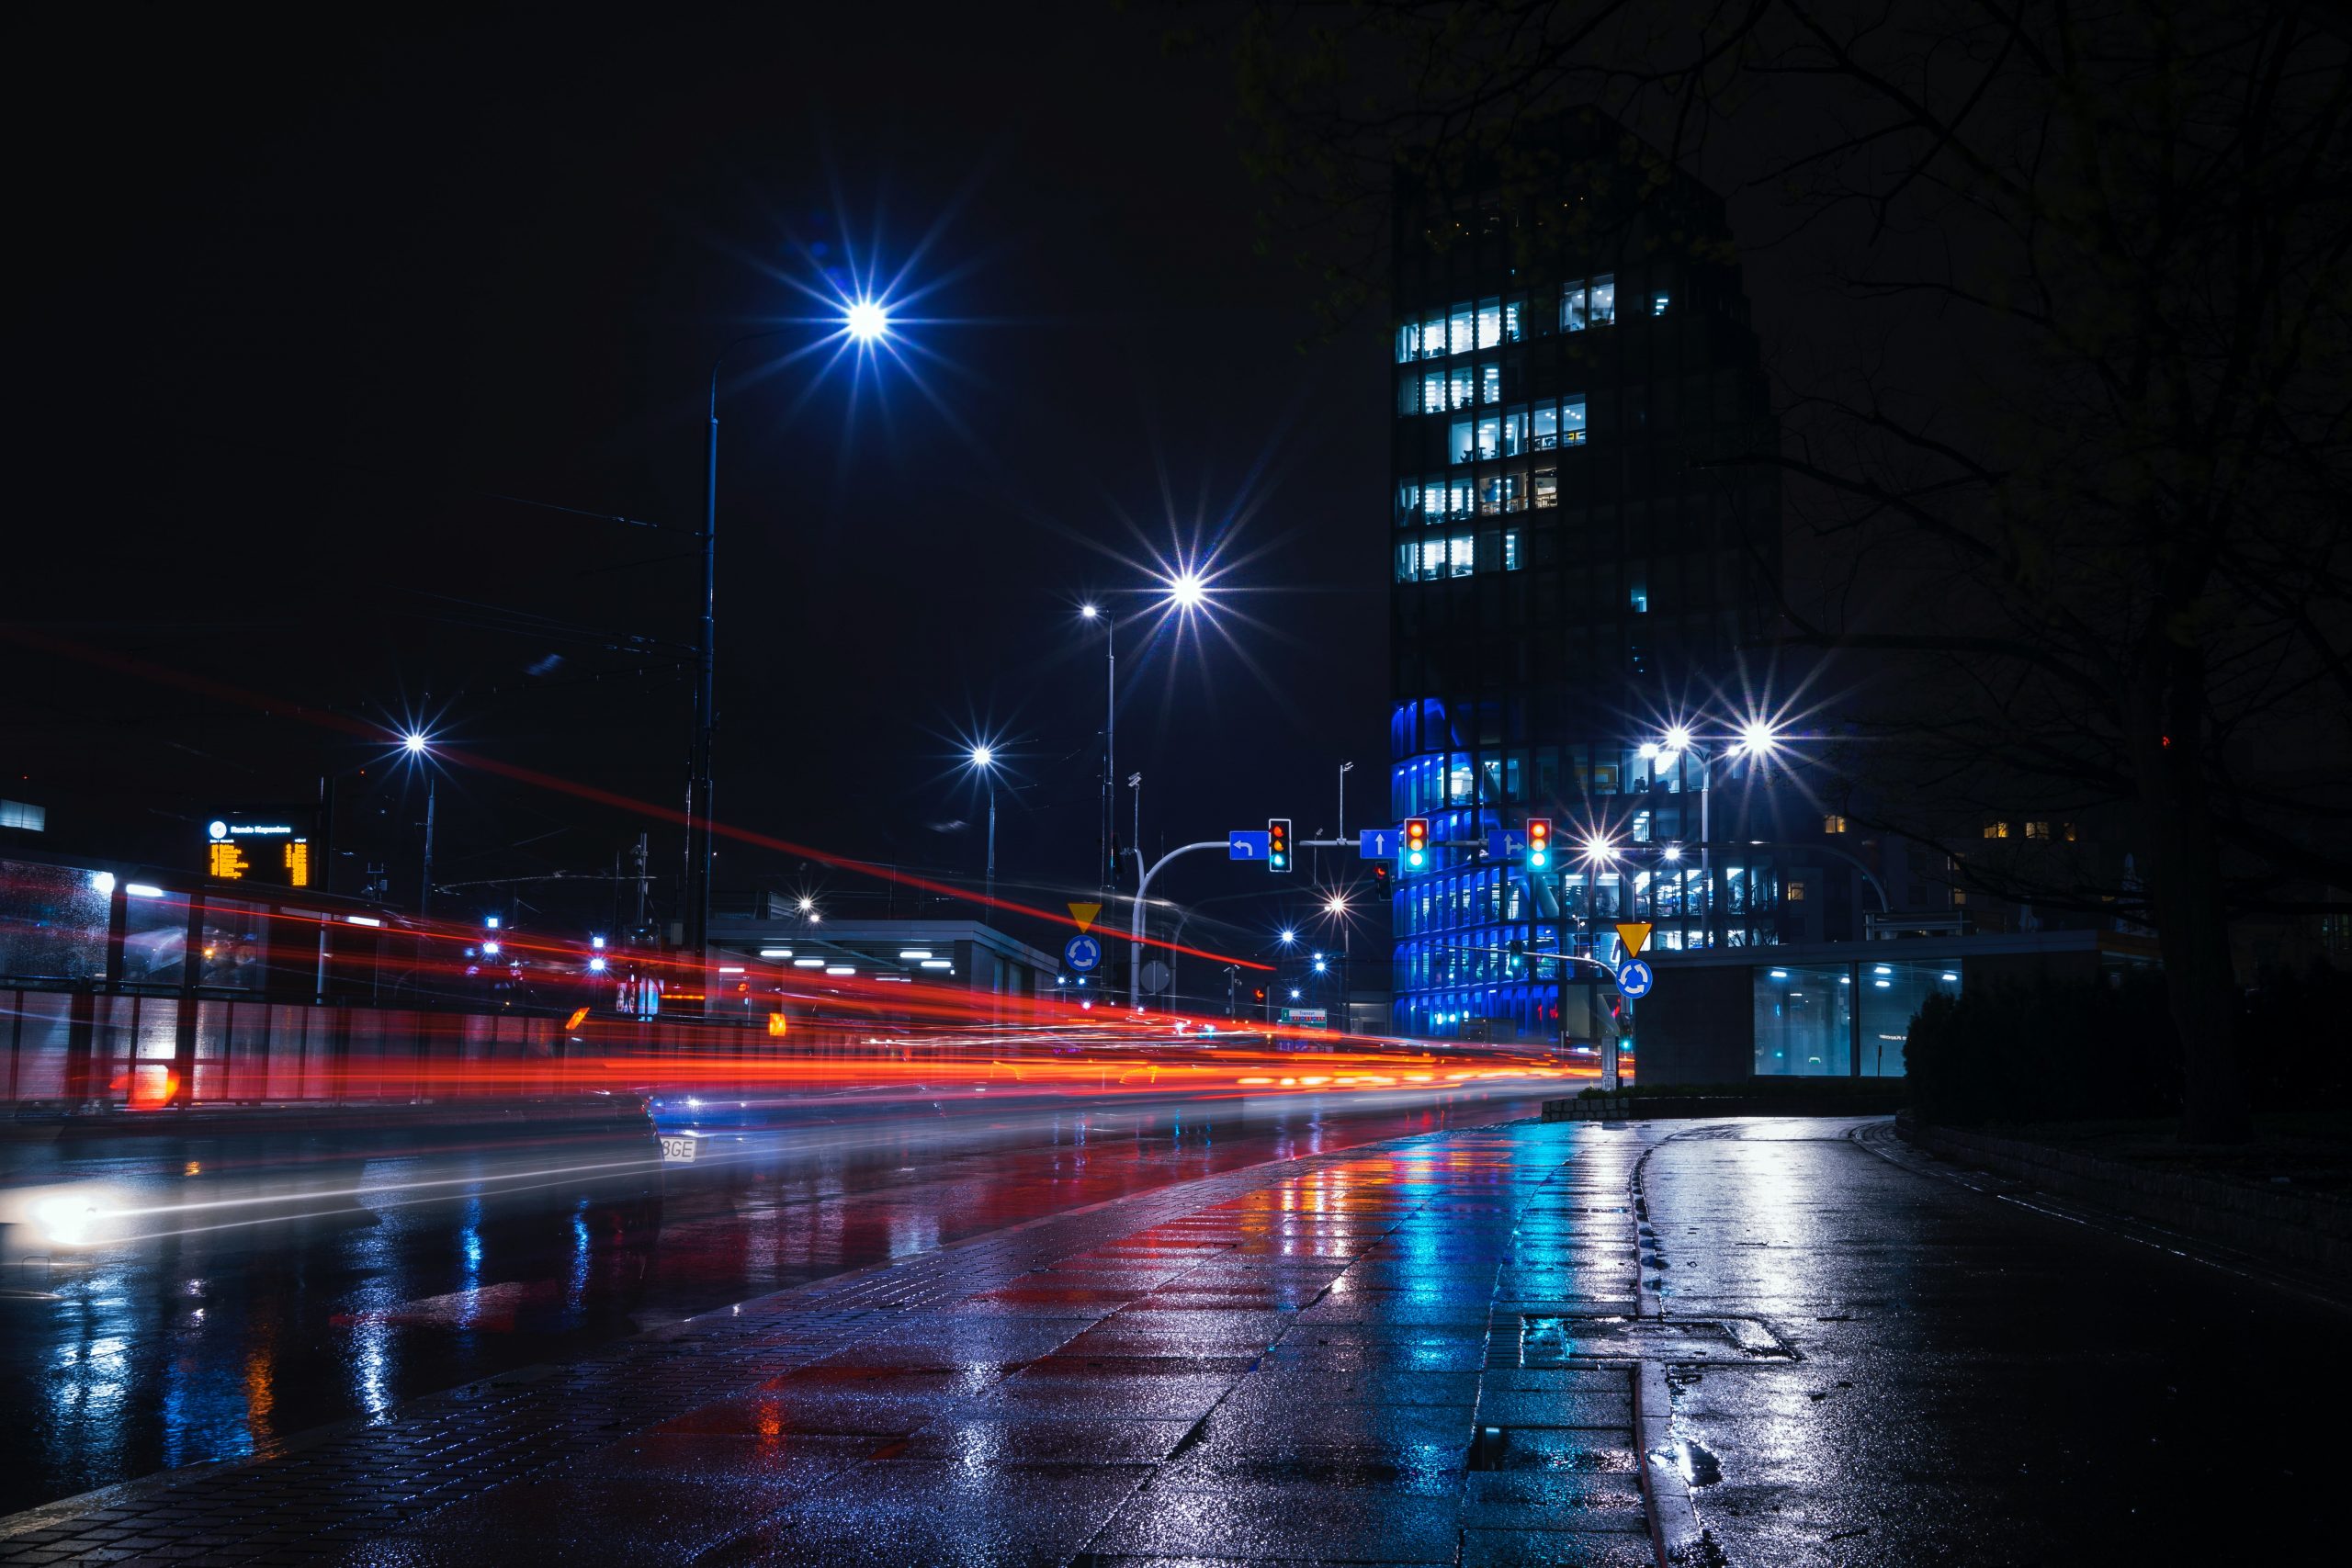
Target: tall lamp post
<point x="1109" y="867"/>
<point x="1756" y="738"/>
<point x="983" y="760"/>
<point x="418" y="745"/>
<point x="865" y="322"/>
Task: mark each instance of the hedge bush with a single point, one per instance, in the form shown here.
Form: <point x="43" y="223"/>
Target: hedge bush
<point x="2045" y="1051"/>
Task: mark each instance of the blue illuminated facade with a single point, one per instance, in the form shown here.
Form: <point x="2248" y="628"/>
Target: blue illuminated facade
<point x="1575" y="566"/>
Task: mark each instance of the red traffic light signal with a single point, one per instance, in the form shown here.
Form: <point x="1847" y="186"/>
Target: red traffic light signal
<point x="1539" y="842"/>
<point x="1416" y="842"/>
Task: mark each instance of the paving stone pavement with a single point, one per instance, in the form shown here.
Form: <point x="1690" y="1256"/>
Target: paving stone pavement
<point x="1337" y="1358"/>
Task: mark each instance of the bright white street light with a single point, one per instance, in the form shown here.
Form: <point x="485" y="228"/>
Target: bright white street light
<point x="1758" y="737"/>
<point x="1597" y="846"/>
<point x="808" y="905"/>
<point x="1335" y="905"/>
<point x="866" y="321"/>
<point x="1089" y="610"/>
<point x="982" y="756"/>
<point x="1678" y="738"/>
<point x="1674" y="852"/>
<point x="1289" y="936"/>
<point x="414" y="743"/>
<point x="1187" y="590"/>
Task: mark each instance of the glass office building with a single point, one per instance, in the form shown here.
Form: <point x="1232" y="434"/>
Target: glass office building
<point x="1577" y="553"/>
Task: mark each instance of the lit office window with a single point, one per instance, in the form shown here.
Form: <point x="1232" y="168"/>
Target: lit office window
<point x="1432" y="559"/>
<point x="1460" y="558"/>
<point x="1490" y="323"/>
<point x="1490" y="382"/>
<point x="1515" y="432"/>
<point x="1997" y="830"/>
<point x="1408" y="561"/>
<point x="1511" y="550"/>
<point x="1515" y="490"/>
<point x="1490" y="438"/>
<point x="1547" y="486"/>
<point x="1408" y="502"/>
<point x="1657" y="304"/>
<point x="1461" y="386"/>
<point x="1546" y="433"/>
<point x="1408" y="342"/>
<point x="1637" y="594"/>
<point x="1572" y="307"/>
<point x="1833" y="824"/>
<point x="1459" y="327"/>
<point x="1433" y="337"/>
<point x="2037" y="829"/>
<point x="1457" y="496"/>
<point x="1603" y="308"/>
<point x="1515" y="318"/>
<point x="1433" y="390"/>
<point x="1571" y="422"/>
<point x="1463" y="443"/>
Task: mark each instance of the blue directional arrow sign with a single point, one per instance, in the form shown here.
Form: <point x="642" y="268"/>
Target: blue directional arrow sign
<point x="1247" y="845"/>
<point x="1634" y="978"/>
<point x="1081" y="954"/>
<point x="1505" y="842"/>
<point x="1378" y="844"/>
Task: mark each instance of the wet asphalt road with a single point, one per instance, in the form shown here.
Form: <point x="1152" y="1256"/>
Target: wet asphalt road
<point x="1980" y="1382"/>
<point x="220" y="1342"/>
<point x="1293" y="1372"/>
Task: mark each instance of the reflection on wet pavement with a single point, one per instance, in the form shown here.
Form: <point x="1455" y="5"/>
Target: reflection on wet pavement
<point x="418" y="1270"/>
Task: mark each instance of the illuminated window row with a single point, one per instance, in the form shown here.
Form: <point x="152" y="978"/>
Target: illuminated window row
<point x="1471" y="325"/>
<point x="1433" y="556"/>
<point x="1538" y="427"/>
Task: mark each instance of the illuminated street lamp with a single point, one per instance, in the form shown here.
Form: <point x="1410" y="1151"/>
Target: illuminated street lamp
<point x="983" y="760"/>
<point x="1188" y="590"/>
<point x="1092" y="612"/>
<point x="418" y="746"/>
<point x="865" y="322"/>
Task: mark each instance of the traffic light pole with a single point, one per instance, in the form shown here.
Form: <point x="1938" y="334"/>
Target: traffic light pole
<point x="1135" y="922"/>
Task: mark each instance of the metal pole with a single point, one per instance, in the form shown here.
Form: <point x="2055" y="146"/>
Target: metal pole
<point x="699" y="804"/>
<point x="1109" y="752"/>
<point x="1135" y="847"/>
<point x="424" y="893"/>
<point x="1344" y="800"/>
<point x="1707" y="855"/>
<point x="991" y="875"/>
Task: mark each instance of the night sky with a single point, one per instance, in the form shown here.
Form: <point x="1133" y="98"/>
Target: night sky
<point x="305" y="302"/>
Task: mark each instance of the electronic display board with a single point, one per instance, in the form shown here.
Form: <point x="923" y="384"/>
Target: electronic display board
<point x="269" y="849"/>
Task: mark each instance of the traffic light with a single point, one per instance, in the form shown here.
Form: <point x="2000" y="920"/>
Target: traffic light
<point x="1539" y="843"/>
<point x="1278" y="843"/>
<point x="1381" y="880"/>
<point x="1416" y="842"/>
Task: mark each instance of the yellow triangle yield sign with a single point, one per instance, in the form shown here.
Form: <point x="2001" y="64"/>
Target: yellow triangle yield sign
<point x="1635" y="935"/>
<point x="1084" y="914"/>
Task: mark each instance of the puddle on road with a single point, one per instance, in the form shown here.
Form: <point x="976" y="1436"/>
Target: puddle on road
<point x="1692" y="1462"/>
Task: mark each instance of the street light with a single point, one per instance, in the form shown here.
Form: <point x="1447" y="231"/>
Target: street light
<point x="418" y="746"/>
<point x="1091" y="612"/>
<point x="866" y="322"/>
<point x="1288" y="936"/>
<point x="984" y="760"/>
<point x="1188" y="590"/>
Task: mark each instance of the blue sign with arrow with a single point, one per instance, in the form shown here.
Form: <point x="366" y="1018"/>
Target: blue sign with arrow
<point x="1634" y="979"/>
<point x="1081" y="954"/>
<point x="1378" y="844"/>
<point x="1505" y="842"/>
<point x="1247" y="845"/>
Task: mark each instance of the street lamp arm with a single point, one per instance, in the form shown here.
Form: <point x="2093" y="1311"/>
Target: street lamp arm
<point x="732" y="344"/>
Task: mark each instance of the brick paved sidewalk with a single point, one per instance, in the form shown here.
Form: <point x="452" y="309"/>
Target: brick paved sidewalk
<point x="1372" y="1355"/>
